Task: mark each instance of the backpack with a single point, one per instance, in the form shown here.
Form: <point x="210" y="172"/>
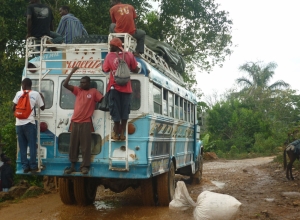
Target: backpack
<point x="23" y="108"/>
<point x="122" y="74"/>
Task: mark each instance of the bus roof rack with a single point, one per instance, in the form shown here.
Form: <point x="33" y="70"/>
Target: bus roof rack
<point x="150" y="56"/>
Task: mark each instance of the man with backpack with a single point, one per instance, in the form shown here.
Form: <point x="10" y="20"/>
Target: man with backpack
<point x="23" y="108"/>
<point x="119" y="95"/>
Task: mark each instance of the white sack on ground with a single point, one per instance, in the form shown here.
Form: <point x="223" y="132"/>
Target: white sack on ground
<point x="209" y="206"/>
<point x="216" y="206"/>
<point x="182" y="199"/>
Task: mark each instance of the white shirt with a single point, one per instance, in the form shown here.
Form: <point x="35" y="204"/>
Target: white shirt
<point x="35" y="99"/>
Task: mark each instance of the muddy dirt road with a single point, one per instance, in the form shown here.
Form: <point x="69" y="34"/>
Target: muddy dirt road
<point x="259" y="185"/>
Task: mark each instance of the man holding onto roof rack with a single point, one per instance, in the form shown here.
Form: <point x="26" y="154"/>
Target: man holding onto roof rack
<point x="122" y="16"/>
<point x="119" y="96"/>
<point x="81" y="122"/>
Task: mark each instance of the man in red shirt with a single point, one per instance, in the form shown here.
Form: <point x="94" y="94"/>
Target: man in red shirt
<point x="119" y="96"/>
<point x="122" y="16"/>
<point x="81" y="123"/>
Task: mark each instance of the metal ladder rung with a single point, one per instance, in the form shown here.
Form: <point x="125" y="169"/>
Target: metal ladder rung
<point x="117" y="159"/>
<point x="118" y="169"/>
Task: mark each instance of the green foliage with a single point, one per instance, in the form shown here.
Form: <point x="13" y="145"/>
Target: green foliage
<point x="8" y="136"/>
<point x="231" y="123"/>
<point x="33" y="193"/>
<point x="259" y="76"/>
<point x="233" y="151"/>
<point x="263" y="145"/>
<point x="205" y="31"/>
<point x="258" y="119"/>
<point x="205" y="140"/>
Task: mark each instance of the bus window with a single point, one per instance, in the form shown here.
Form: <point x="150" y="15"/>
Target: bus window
<point x="192" y="113"/>
<point x="171" y="104"/>
<point x="188" y="111"/>
<point x="185" y="107"/>
<point x="47" y="87"/>
<point x="157" y="99"/>
<point x="181" y="108"/>
<point x="136" y="95"/>
<point x="67" y="98"/>
<point x="64" y="143"/>
<point x="176" y="107"/>
<point x="165" y="102"/>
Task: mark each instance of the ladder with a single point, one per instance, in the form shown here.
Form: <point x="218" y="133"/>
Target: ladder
<point x="118" y="158"/>
<point x="37" y="47"/>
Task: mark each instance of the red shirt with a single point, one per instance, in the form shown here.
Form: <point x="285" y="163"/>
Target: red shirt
<point x="111" y="64"/>
<point x="123" y="15"/>
<point x="85" y="103"/>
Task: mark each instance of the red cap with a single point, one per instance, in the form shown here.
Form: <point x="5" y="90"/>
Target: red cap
<point x="116" y="42"/>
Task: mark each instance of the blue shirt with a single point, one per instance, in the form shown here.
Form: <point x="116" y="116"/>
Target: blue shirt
<point x="70" y="27"/>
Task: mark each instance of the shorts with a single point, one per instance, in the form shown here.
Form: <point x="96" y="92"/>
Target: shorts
<point x="119" y="105"/>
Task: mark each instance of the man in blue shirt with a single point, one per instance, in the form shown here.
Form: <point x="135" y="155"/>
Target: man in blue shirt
<point x="69" y="26"/>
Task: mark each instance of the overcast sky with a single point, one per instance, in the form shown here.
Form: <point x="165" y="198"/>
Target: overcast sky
<point x="263" y="30"/>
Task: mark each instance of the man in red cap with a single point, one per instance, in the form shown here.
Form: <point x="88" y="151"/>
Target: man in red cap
<point x="122" y="16"/>
<point x="119" y="96"/>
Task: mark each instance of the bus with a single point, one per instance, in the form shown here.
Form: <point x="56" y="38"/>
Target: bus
<point x="162" y="134"/>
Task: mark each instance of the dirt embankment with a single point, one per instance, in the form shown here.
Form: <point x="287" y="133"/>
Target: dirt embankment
<point x="259" y="185"/>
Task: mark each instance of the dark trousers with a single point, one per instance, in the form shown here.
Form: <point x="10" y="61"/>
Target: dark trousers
<point x="27" y="136"/>
<point x="81" y="137"/>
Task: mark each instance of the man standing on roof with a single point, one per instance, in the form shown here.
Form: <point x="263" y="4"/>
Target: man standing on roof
<point x="122" y="16"/>
<point x="119" y="96"/>
<point x="81" y="122"/>
<point x="69" y="26"/>
<point x="40" y="22"/>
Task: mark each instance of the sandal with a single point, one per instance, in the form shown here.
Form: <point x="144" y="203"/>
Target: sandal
<point x="115" y="136"/>
<point x="69" y="170"/>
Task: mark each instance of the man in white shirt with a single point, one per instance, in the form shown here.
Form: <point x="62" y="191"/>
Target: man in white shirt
<point x="26" y="128"/>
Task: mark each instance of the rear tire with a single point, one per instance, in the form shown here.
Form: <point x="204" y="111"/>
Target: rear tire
<point x="166" y="186"/>
<point x="66" y="191"/>
<point x="84" y="191"/>
<point x="147" y="192"/>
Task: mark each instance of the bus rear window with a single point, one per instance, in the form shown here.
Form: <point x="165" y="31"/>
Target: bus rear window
<point x="67" y="98"/>
<point x="136" y="95"/>
<point x="46" y="89"/>
<point x="64" y="142"/>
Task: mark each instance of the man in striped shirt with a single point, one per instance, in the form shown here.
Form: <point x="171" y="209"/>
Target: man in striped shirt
<point x="69" y="26"/>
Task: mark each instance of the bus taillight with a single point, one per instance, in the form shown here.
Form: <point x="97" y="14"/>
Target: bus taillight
<point x="43" y="126"/>
<point x="131" y="128"/>
<point x="31" y="67"/>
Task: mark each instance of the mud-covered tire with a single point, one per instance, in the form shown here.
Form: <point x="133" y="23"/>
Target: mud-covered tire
<point x="91" y="190"/>
<point x="84" y="191"/>
<point x="147" y="192"/>
<point x="66" y="191"/>
<point x="197" y="176"/>
<point x="90" y="39"/>
<point x="166" y="186"/>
